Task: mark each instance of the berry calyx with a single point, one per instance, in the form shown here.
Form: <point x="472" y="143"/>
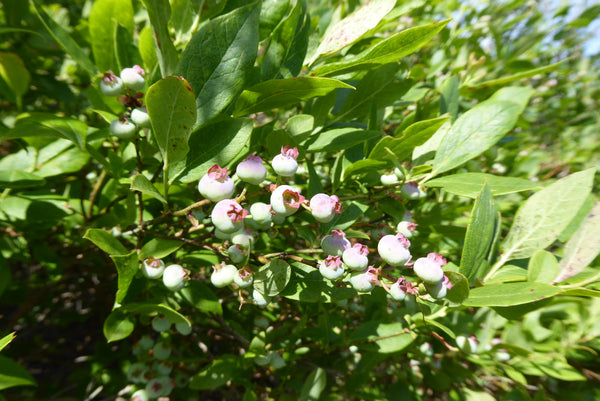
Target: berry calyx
<point x="252" y="170"/>
<point x="406" y="228"/>
<point x="356" y="258"/>
<point x="324" y="207"/>
<point x="216" y="185"/>
<point x="393" y="249"/>
<point x="285" y="200"/>
<point x="335" y="244"/>
<point x="243" y="277"/>
<point x="332" y="267"/>
<point x="429" y="269"/>
<point x="285" y="163"/>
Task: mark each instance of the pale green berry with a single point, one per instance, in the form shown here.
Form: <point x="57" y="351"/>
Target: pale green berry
<point x="174" y="277"/>
<point x="123" y="129"/>
<point x="153" y="268"/>
<point x="160" y="324"/>
<point x="161" y="351"/>
<point x="223" y="275"/>
<point x="183" y="328"/>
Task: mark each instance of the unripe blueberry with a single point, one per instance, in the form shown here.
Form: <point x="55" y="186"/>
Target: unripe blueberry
<point x="406" y="228"/>
<point x="133" y="78"/>
<point x="161" y="351"/>
<point x="162" y="368"/>
<point x="356" y="258"/>
<point x="437" y="290"/>
<point x="388" y="179"/>
<point x="335" y="244"/>
<point x="285" y="163"/>
<point x="366" y="281"/>
<point x="331" y="268"/>
<point x="228" y="216"/>
<point x="146" y="343"/>
<point x="263" y="360"/>
<point x="135" y="373"/>
<point x="399" y="173"/>
<point x="397" y="292"/>
<point x="111" y="85"/>
<point x="216" y="185"/>
<point x="159" y="387"/>
<point x="243" y="237"/>
<point x="160" y="324"/>
<point x="243" y="277"/>
<point x="260" y="299"/>
<point x="221" y="235"/>
<point x="153" y="268"/>
<point x="467" y="344"/>
<point x="426" y="349"/>
<point x="139" y="395"/>
<point x="261" y="213"/>
<point x="286" y="200"/>
<point x="393" y="249"/>
<point x="140" y="117"/>
<point x="183" y="328"/>
<point x="324" y="207"/>
<point x="174" y="277"/>
<point x="412" y="191"/>
<point x="429" y="269"/>
<point x="237" y="254"/>
<point x="123" y="128"/>
<point x="222" y="275"/>
<point x="278" y="218"/>
<point x="252" y="170"/>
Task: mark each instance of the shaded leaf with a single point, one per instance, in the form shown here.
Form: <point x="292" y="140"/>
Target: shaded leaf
<point x="105" y="241"/>
<point x="127" y="266"/>
<point x="159" y="248"/>
<point x="139" y="182"/>
<point x="270" y="279"/>
<point x="12" y="374"/>
<point x="159" y="12"/>
<point x="219" y="372"/>
<point x="117" y="326"/>
<point x="313" y="386"/>
<point x="308" y="285"/>
<point x="104" y="17"/>
<point x="202" y="298"/>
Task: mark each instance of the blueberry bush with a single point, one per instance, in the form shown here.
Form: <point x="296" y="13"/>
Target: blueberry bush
<point x="298" y="200"/>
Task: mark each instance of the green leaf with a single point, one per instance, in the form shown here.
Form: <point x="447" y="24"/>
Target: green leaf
<point x="105" y="241"/>
<point x="387" y="337"/>
<point x="219" y="372"/>
<point x="12" y="374"/>
<point x="170" y="104"/>
<point x="450" y="94"/>
<point x="139" y="182"/>
<point x="65" y="41"/>
<point x="159" y="12"/>
<point x="583" y="247"/>
<point x="14" y="73"/>
<point x="218" y="143"/>
<point x="7" y="339"/>
<point x="125" y="52"/>
<point x="159" y="248"/>
<point x="118" y="326"/>
<point x="386" y="51"/>
<point x="48" y="125"/>
<point x="542" y="268"/>
<point x="104" y="17"/>
<point x="127" y="266"/>
<point x="219" y="58"/>
<point x="280" y="93"/>
<point x="355" y="25"/>
<point x="147" y="49"/>
<point x="471" y="184"/>
<point x="313" y="386"/>
<point x="270" y="279"/>
<point x="400" y="149"/>
<point x="364" y="166"/>
<point x="479" y="237"/>
<point x="20" y="179"/>
<point x="155" y="309"/>
<point x="460" y="287"/>
<point x="480" y="128"/>
<point x="378" y="88"/>
<point x="541" y="219"/>
<point x="510" y="294"/>
<point x="515" y="77"/>
<point x="202" y="298"/>
<point x="308" y="285"/>
<point x="340" y="139"/>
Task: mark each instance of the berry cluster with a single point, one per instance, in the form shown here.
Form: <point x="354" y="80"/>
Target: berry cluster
<point x="345" y="263"/>
<point x="127" y="88"/>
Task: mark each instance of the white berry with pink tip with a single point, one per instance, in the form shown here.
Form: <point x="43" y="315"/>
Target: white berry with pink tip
<point x="324" y="207"/>
<point x="228" y="216"/>
<point x="335" y="244"/>
<point x="216" y="185"/>
<point x="252" y="170"/>
<point x="429" y="269"/>
<point x="356" y="258"/>
<point x="133" y="78"/>
<point x="332" y="267"/>
<point x="111" y="85"/>
<point x="393" y="249"/>
<point x="285" y="163"/>
<point x="286" y="200"/>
